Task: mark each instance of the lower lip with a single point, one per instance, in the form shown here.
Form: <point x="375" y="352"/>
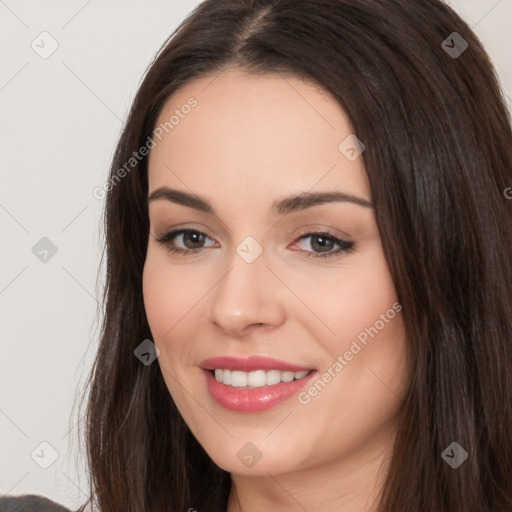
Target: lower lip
<point x="253" y="399"/>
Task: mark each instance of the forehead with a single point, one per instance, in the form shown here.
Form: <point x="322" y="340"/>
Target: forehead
<point x="262" y="134"/>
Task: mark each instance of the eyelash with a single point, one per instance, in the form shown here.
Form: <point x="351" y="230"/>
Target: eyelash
<point x="346" y="246"/>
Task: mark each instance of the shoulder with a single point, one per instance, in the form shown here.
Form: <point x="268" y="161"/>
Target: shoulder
<point x="89" y="507"/>
<point x="30" y="503"/>
<point x="36" y="503"/>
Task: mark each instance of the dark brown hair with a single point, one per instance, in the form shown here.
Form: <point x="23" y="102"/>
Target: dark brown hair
<point x="439" y="158"/>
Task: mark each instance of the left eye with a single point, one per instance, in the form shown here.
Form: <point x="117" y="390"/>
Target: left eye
<point x="321" y="244"/>
<point x="192" y="241"/>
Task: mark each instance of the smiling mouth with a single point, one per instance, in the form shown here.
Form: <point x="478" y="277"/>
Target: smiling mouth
<point x="253" y="384"/>
<point x="256" y="378"/>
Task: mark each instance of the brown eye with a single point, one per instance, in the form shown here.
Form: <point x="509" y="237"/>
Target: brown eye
<point x="322" y="244"/>
<point x="191" y="241"/>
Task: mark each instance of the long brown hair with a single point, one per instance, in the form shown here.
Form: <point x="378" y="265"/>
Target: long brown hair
<point x="439" y="158"/>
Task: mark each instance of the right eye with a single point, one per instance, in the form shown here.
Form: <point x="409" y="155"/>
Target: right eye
<point x="192" y="240"/>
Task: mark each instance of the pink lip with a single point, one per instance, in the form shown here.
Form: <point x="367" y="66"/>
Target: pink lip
<point x="252" y="399"/>
<point x="250" y="364"/>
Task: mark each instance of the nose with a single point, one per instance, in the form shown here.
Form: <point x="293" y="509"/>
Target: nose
<point x="246" y="299"/>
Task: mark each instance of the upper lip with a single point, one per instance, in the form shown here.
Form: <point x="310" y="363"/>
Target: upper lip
<point x="250" y="364"/>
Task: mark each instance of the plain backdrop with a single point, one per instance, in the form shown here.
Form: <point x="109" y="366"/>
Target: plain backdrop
<point x="61" y="116"/>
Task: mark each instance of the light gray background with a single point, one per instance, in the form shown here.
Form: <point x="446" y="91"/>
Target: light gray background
<point x="60" y="120"/>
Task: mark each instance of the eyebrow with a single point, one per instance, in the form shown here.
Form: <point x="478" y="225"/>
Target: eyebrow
<point x="280" y="207"/>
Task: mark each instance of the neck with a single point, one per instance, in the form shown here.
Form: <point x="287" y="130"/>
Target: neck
<point x="353" y="484"/>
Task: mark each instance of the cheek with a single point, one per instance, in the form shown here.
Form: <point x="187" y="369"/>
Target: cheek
<point x="363" y="375"/>
<point x="169" y="293"/>
<point x="343" y="301"/>
<point x="155" y="303"/>
<point x="174" y="303"/>
<point x="368" y="295"/>
<point x="361" y="322"/>
<point x="168" y="298"/>
<point x="159" y="298"/>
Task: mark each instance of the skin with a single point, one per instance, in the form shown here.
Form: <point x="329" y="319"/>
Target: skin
<point x="252" y="140"/>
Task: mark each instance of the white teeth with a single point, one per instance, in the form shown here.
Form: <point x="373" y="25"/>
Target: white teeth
<point x="287" y="376"/>
<point x="238" y="379"/>
<point x="257" y="378"/>
<point x="273" y="377"/>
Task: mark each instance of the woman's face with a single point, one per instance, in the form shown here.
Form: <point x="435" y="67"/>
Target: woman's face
<point x="302" y="283"/>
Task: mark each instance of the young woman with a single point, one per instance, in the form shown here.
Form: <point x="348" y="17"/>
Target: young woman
<point x="308" y="237"/>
